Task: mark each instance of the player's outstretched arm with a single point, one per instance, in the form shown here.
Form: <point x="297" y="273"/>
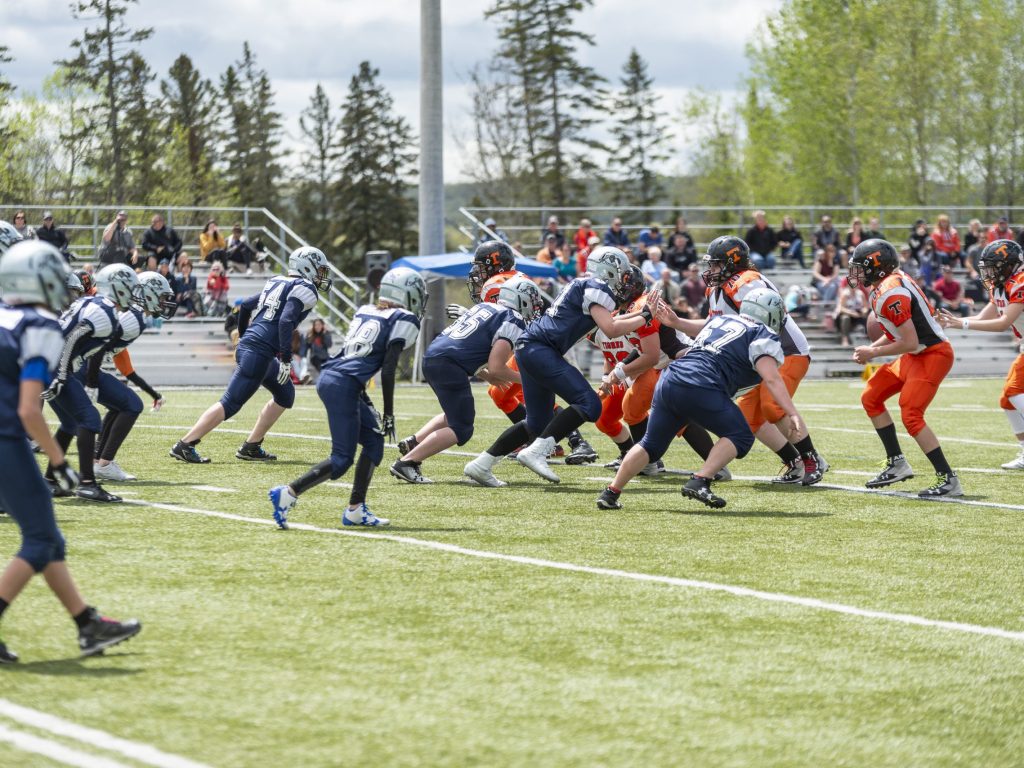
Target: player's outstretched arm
<point x="988" y="319"/>
<point x="614" y="326"/>
<point x="768" y="368"/>
<point x="691" y="328"/>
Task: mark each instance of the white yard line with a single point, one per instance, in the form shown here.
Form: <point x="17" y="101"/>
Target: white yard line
<point x="142" y="753"/>
<point x="213" y="489"/>
<point x="774" y="597"/>
<point x="1008" y="444"/>
<point x="57" y="752"/>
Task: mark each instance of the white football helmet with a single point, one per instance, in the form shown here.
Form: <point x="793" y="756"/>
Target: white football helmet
<point x="34" y="272"/>
<point x="310" y="263"/>
<point x="157" y="296"/>
<point x="610" y="264"/>
<point x="522" y="295"/>
<point x="765" y="306"/>
<point x="119" y="284"/>
<point x="404" y="287"/>
<point x="8" y="236"/>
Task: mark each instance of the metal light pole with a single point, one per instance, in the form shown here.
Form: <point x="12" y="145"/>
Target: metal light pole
<point x="431" y="218"/>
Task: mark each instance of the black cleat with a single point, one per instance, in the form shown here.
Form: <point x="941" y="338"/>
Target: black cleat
<point x="96" y="492"/>
<point x="700" y="489"/>
<point x="254" y="452"/>
<point x="609" y="499"/>
<point x="7" y="656"/>
<point x="614" y="463"/>
<point x="56" y="490"/>
<point x="182" y="451"/>
<point x="409" y="471"/>
<point x="101" y="633"/>
<point x="815" y="468"/>
<point x="583" y="453"/>
<point x="404" y="446"/>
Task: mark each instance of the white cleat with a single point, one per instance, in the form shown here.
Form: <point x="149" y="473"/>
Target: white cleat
<point x="535" y="458"/>
<point x="654" y="468"/>
<point x="362" y="515"/>
<point x="112" y="472"/>
<point x="482" y="475"/>
<point x="895" y="470"/>
<point x="1017" y="463"/>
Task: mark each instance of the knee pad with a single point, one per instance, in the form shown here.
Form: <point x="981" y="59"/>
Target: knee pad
<point x="39" y="552"/>
<point x="463" y="433"/>
<point x="133" y="403"/>
<point x="286" y="396"/>
<point x="913" y="420"/>
<point x="743" y="442"/>
<point x="340" y="465"/>
<point x="590" y="408"/>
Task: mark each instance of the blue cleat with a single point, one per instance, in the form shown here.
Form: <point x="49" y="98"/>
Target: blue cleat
<point x="283" y="500"/>
<point x="362" y="515"/>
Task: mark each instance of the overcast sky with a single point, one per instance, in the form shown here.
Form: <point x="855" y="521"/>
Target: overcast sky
<point x="688" y="44"/>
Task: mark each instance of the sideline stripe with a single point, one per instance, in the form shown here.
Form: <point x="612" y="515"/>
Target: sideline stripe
<point x="26" y="742"/>
<point x="774" y="597"/>
<point x="142" y="753"/>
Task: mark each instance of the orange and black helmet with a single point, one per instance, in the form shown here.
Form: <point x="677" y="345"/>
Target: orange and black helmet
<point x="491" y="258"/>
<point x="871" y="261"/>
<point x="87" y="282"/>
<point x="728" y="251"/>
<point x="998" y="261"/>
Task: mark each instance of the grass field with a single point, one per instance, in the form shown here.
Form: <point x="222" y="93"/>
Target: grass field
<point x="460" y="635"/>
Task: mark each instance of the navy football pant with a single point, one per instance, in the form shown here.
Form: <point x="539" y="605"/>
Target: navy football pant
<point x="74" y="408"/>
<point x="545" y="374"/>
<point x="675" y="404"/>
<point x="253" y="370"/>
<point x="451" y="385"/>
<point x="27" y="499"/>
<point x="352" y="421"/>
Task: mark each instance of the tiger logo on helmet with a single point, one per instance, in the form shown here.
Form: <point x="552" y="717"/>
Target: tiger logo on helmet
<point x="491" y="258"/>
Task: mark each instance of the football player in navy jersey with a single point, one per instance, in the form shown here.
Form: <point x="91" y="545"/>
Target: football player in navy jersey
<point x="33" y="284"/>
<point x="264" y="355"/>
<point x="479" y="343"/>
<point x="732" y="352"/>
<point x="88" y="325"/>
<point x="585" y="303"/>
<point x="375" y="340"/>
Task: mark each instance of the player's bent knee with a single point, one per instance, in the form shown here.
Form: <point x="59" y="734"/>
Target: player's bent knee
<point x="463" y="432"/>
<point x="40" y="551"/>
<point x="589" y="407"/>
<point x="230" y="406"/>
<point x="913" y="420"/>
<point x="340" y="465"/>
<point x="743" y="443"/>
<point x="872" y="405"/>
<point x="374" y="449"/>
<point x="286" y="397"/>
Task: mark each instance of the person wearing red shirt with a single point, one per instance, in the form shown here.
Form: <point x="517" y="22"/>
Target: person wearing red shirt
<point x="582" y="237"/>
<point x="947" y="241"/>
<point x="952" y="293"/>
<point x="1001" y="230"/>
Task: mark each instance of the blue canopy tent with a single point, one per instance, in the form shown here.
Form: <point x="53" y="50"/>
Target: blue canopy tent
<point x="457" y="265"/>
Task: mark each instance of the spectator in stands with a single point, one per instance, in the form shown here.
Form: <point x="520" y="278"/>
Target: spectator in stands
<point x="825" y="235"/>
<point x="616" y="235"/>
<point x="492" y="225"/>
<point x="118" y="245"/>
<point x="667" y="286"/>
<point x="216" y="296"/>
<point x="161" y="241"/>
<point x="927" y="263"/>
<point x="974" y="240"/>
<point x="240" y="253"/>
<point x="907" y="261"/>
<point x="762" y="241"/>
<point x="693" y="289"/>
<point x="825" y="273"/>
<point x="951" y="294"/>
<point x="21" y="224"/>
<point x="212" y="245"/>
<point x="318" y="345"/>
<point x="798" y="301"/>
<point x="583" y="253"/>
<point x="947" y="241"/>
<point x="552" y="229"/>
<point x="680" y="254"/>
<point x="582" y="237"/>
<point x="653" y="266"/>
<point x="873" y="230"/>
<point x="690" y="250"/>
<point x="918" y="235"/>
<point x="565" y="265"/>
<point x="550" y="251"/>
<point x="790" y="241"/>
<point x="53" y="235"/>
<point x="851" y="311"/>
<point x="649" y="237"/>
<point x="855" y="235"/>
<point x="1001" y="230"/>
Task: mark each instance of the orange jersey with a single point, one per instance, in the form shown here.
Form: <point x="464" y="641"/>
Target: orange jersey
<point x="1011" y="292"/>
<point x="489" y="292"/>
<point x="123" y="363"/>
<point x="727" y="298"/>
<point x="897" y="300"/>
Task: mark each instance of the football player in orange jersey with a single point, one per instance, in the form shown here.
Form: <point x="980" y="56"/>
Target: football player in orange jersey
<point x="925" y="357"/>
<point x="1001" y="265"/>
<point x="730" y="276"/>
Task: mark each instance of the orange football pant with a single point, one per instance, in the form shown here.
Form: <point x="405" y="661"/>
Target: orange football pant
<point x="637" y="402"/>
<point x="758" y="406"/>
<point x="916" y="377"/>
<point x="1014" y="384"/>
<point x="510" y="397"/>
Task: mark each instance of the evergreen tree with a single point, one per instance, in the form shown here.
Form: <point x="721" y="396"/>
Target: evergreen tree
<point x="104" y="65"/>
<point x="317" y="172"/>
<point x="141" y="137"/>
<point x="6" y="91"/>
<point x="189" y="107"/>
<point x="639" y="138"/>
<point x="716" y="153"/>
<point x="77" y="142"/>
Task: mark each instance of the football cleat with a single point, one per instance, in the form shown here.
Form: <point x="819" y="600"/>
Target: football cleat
<point x="654" y="468"/>
<point x="557" y="452"/>
<point x="7" y="656"/>
<point x="723" y="475"/>
<point x="254" y="452"/>
<point x="534" y="458"/>
<point x="815" y="468"/>
<point x="1017" y="463"/>
<point x="95" y="492"/>
<point x="609" y="499"/>
<point x="700" y="489"/>
<point x="101" y="633"/>
<point x="408" y="471"/>
<point x="362" y="515"/>
<point x="183" y="451"/>
<point x="404" y="446"/>
<point x="944" y="485"/>
<point x="895" y="470"/>
<point x="614" y="463"/>
<point x="583" y="453"/>
<point x="56" y="491"/>
<point x="112" y="472"/>
<point x="791" y="472"/>
<point x="482" y="475"/>
<point x="283" y="501"/>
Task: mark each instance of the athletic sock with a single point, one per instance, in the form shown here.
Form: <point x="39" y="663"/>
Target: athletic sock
<point x="636" y="431"/>
<point x="513" y="437"/>
<point x="63" y="440"/>
<point x="788" y="453"/>
<point x="565" y="421"/>
<point x="889" y="440"/>
<point x="119" y="429"/>
<point x="698" y="438"/>
<point x="108" y="424"/>
<point x="82" y="620"/>
<point x="517" y="414"/>
<point x="575" y="438"/>
<point x="86" y="455"/>
<point x="361" y="479"/>
<point x="938" y="461"/>
<point x="625" y="446"/>
<point x="316" y="475"/>
<point x="805" y="446"/>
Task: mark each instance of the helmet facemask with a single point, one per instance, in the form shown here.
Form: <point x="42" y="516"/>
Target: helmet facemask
<point x="711" y="278"/>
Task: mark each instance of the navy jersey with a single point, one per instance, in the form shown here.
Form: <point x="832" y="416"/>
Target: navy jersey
<point x="568" y="319"/>
<point x="130" y="325"/>
<point x="100" y="314"/>
<point x="372" y="331"/>
<point x="724" y="353"/>
<point x="467" y="342"/>
<point x="31" y="343"/>
<point x="271" y="307"/>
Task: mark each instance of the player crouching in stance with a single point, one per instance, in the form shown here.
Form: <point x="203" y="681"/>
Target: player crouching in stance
<point x="264" y="355"/>
<point x="33" y="283"/>
<point x="1001" y="265"/>
<point x="585" y="303"/>
<point x="479" y="342"/>
<point x="731" y="352"/>
<point x="375" y="340"/>
<point x="925" y="357"/>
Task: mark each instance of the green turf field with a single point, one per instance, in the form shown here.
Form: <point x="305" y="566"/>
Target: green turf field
<point x="313" y="647"/>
